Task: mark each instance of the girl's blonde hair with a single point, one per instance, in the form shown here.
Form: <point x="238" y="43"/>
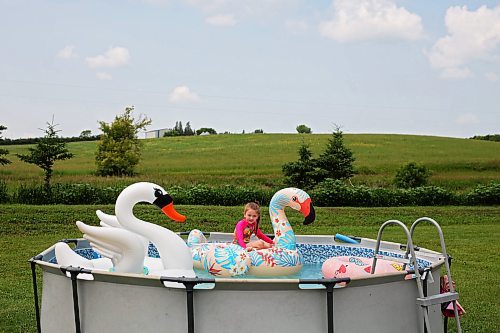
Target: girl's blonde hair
<point x="252" y="205"/>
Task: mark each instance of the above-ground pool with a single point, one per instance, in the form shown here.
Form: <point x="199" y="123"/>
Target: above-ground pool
<point x="97" y="301"/>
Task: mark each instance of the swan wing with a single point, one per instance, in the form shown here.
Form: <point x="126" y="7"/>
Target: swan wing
<point x="65" y="256"/>
<point x="124" y="248"/>
<point x="111" y="221"/>
<point x="108" y="220"/>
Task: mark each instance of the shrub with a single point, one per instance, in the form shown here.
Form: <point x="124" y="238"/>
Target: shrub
<point x="303" y="129"/>
<point x="483" y="195"/>
<point x="411" y="175"/>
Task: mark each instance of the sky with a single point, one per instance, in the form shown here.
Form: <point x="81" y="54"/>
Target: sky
<point x="422" y="67"/>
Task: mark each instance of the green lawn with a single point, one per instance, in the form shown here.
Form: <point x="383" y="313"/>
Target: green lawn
<point x="256" y="159"/>
<point x="471" y="235"/>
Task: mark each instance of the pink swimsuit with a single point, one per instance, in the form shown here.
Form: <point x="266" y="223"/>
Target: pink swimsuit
<point x="244" y="231"/>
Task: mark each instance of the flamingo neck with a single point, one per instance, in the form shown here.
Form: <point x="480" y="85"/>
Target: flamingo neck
<point x="283" y="232"/>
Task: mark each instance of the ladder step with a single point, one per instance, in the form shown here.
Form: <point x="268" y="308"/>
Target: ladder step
<point x="401" y="260"/>
<point x="437" y="299"/>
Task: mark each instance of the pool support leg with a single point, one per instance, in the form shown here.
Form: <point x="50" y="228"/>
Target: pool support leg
<point x="35" y="291"/>
<point x="190" y="305"/>
<point x="189" y="284"/>
<point x="329" y="305"/>
<point x="76" y="308"/>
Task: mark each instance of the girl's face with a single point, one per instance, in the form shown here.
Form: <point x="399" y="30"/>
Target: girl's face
<point x="251" y="216"/>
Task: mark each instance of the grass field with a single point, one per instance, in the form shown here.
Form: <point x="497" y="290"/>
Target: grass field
<point x="471" y="235"/>
<point x="256" y="160"/>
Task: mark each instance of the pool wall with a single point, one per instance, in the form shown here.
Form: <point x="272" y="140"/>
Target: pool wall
<point x="129" y="302"/>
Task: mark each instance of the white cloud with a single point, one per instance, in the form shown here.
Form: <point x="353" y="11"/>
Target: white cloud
<point x="222" y="20"/>
<point x="113" y="57"/>
<point x="182" y="94"/>
<point x="467" y="119"/>
<point x="67" y="52"/>
<point x="493" y="77"/>
<point x="371" y="19"/>
<point x="472" y="35"/>
<point x="104" y="76"/>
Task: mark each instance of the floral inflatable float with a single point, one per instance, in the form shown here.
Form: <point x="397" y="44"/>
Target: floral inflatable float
<point x="357" y="267"/>
<point x="228" y="259"/>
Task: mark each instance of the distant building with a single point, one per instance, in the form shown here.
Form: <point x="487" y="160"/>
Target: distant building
<point x="156" y="133"/>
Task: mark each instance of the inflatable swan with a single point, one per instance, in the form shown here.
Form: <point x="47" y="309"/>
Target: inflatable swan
<point x="124" y="243"/>
<point x="227" y="259"/>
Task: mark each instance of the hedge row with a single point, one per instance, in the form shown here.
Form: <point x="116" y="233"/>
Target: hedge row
<point x="330" y="193"/>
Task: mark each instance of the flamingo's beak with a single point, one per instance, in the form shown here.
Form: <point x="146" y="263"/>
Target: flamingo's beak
<point x="166" y="204"/>
<point x="307" y="209"/>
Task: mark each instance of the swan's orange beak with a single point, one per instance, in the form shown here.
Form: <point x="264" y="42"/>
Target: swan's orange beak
<point x="170" y="211"/>
<point x="166" y="204"/>
<point x="307" y="209"/>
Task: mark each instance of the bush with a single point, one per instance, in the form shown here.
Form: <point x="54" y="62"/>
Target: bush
<point x="329" y="193"/>
<point x="411" y="175"/>
<point x="483" y="195"/>
<point x="303" y="129"/>
<point x="334" y="193"/>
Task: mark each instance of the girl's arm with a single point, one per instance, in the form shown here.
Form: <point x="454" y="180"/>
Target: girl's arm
<point x="262" y="236"/>
<point x="238" y="231"/>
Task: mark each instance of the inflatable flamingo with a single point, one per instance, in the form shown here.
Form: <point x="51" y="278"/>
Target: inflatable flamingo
<point x="228" y="259"/>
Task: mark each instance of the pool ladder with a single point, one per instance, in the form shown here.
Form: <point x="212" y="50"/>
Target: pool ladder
<point x="410" y="257"/>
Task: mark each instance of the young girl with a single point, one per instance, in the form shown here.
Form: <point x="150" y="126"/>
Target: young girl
<point x="249" y="226"/>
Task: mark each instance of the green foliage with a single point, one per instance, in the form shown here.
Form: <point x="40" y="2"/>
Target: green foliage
<point x="46" y="152"/>
<point x="188" y="130"/>
<point x="329" y="193"/>
<point x="484" y="195"/>
<point x="411" y="175"/>
<point x="332" y="192"/>
<point x="119" y="149"/>
<point x="337" y="160"/>
<point x="85" y="134"/>
<point x="303" y="129"/>
<point x="171" y="132"/>
<point x="3" y="152"/>
<point x="488" y="137"/>
<point x="259" y="131"/>
<point x="301" y="173"/>
<point x="4" y="195"/>
<point x="205" y="130"/>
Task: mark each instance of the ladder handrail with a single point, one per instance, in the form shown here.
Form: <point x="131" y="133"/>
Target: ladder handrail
<point x="446" y="263"/>
<point x="413" y="258"/>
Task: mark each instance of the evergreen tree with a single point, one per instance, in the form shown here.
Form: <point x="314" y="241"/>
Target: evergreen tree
<point x="3" y="152"/>
<point x="337" y="160"/>
<point x="48" y="150"/>
<point x="188" y="130"/>
<point x="301" y="173"/>
<point x="119" y="150"/>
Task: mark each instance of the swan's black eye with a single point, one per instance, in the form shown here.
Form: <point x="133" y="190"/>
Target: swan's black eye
<point x="158" y="192"/>
<point x="294" y="199"/>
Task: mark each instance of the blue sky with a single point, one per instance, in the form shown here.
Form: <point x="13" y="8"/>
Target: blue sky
<point x="370" y="66"/>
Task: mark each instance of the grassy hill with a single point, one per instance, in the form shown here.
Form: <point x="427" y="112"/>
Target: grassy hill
<point x="256" y="159"/>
